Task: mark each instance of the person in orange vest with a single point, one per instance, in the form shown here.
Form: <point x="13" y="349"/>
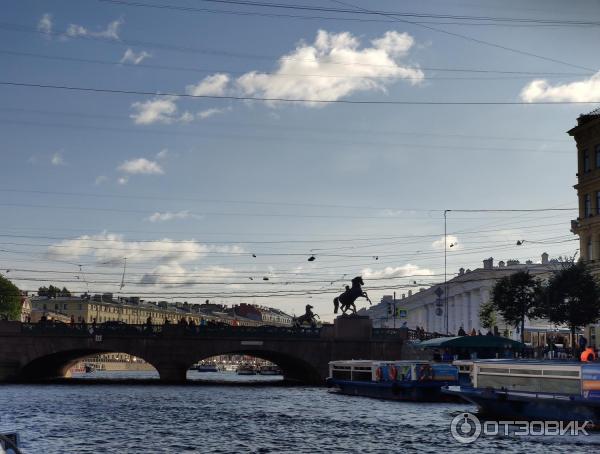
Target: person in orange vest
<point x="588" y="355"/>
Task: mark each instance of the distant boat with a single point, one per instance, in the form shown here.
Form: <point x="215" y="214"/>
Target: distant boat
<point x="245" y="369"/>
<point x="270" y="370"/>
<point x="206" y="368"/>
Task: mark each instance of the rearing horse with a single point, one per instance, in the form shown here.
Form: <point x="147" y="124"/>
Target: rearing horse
<point x="346" y="299"/>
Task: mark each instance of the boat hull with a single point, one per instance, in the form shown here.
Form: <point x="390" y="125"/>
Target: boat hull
<point x="417" y="392"/>
<point x="531" y="406"/>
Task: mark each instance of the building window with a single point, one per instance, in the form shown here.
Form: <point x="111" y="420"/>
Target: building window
<point x="586" y="160"/>
<point x="598" y="156"/>
<point x="587" y="206"/>
<point x="597" y="202"/>
<point x="589" y="249"/>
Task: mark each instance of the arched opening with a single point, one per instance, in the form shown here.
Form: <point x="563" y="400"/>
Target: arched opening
<point x="243" y="366"/>
<point x="92" y="364"/>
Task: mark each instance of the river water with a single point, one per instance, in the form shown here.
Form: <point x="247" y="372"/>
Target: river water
<point x="228" y="418"/>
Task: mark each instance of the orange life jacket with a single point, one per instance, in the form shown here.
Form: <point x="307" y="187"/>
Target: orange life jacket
<point x="588" y="355"/>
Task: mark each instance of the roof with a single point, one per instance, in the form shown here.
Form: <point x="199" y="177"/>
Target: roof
<point x="471" y="342"/>
<point x="586" y="118"/>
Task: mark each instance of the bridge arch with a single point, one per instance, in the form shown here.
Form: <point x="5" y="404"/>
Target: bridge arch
<point x="294" y="368"/>
<point x="57" y="364"/>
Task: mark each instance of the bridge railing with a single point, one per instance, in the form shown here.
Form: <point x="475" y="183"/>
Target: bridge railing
<point x="404" y="333"/>
<point x="124" y="329"/>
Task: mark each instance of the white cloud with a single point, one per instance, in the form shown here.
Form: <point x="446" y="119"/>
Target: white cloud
<point x="122" y="180"/>
<point x="111" y="31"/>
<point x="169" y="216"/>
<point x="339" y="55"/>
<point x="406" y="270"/>
<point x="162" y="154"/>
<point x="100" y="179"/>
<point x="111" y="248"/>
<point x="170" y="257"/>
<point x="173" y="274"/>
<point x="131" y="57"/>
<point x="210" y="112"/>
<point x="213" y="85"/>
<point x="438" y="245"/>
<point x="141" y="166"/>
<point x="57" y="159"/>
<point x="45" y="24"/>
<point x="582" y="91"/>
<point x="158" y="110"/>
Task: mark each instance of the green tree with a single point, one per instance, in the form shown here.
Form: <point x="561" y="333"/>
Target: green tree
<point x="572" y="297"/>
<point x="517" y="297"/>
<point x="487" y="315"/>
<point x="10" y="300"/>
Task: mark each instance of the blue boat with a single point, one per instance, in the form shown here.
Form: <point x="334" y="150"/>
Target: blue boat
<point x="533" y="390"/>
<point x="417" y="381"/>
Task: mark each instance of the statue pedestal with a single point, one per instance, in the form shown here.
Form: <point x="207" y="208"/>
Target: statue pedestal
<point x="355" y="327"/>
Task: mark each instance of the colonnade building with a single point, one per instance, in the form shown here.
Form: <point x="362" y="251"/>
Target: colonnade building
<point x="467" y="292"/>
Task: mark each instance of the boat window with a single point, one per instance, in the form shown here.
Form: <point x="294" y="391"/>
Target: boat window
<point x="526" y="371"/>
<point x="493" y="370"/>
<point x="341" y="367"/>
<point x="363" y="368"/>
<point x="564" y="373"/>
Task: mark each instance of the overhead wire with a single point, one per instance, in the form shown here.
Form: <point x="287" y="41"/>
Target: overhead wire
<point x="288" y="100"/>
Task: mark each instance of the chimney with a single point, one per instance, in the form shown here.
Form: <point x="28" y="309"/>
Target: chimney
<point x="488" y="264"/>
<point x="544" y="258"/>
<point x="462" y="271"/>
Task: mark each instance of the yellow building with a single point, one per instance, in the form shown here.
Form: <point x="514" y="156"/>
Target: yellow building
<point x="86" y="310"/>
<point x="587" y="225"/>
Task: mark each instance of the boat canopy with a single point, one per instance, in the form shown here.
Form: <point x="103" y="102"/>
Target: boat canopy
<point x="474" y="342"/>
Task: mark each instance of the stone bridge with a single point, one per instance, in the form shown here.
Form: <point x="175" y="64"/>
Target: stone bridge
<point x="46" y="351"/>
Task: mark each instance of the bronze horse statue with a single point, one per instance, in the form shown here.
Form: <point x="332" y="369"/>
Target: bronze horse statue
<point x="346" y="299"/>
<point x="308" y="317"/>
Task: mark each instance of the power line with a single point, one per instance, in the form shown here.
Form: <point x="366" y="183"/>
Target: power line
<point x="304" y="139"/>
<point x="352" y="12"/>
<point x="289" y="100"/>
<point x="468" y="38"/>
<point x="507" y="75"/>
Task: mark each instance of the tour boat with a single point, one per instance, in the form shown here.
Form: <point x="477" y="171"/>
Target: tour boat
<point x="533" y="390"/>
<point x="269" y="370"/>
<point x="207" y="368"/>
<point x="419" y="381"/>
<point x="245" y="369"/>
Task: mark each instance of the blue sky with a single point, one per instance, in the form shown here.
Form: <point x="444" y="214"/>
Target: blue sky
<point x="189" y="188"/>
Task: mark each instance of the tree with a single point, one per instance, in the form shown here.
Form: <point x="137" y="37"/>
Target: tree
<point x="517" y="297"/>
<point x="487" y="315"/>
<point x="53" y="292"/>
<point x="572" y="297"/>
<point x="10" y="300"/>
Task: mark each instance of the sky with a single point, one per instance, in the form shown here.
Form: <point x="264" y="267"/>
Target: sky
<point x="207" y="149"/>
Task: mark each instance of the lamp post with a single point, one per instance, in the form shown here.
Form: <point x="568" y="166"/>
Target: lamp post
<point x="446" y="267"/>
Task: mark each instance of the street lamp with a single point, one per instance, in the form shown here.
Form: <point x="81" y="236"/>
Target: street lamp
<point x="446" y="267"/>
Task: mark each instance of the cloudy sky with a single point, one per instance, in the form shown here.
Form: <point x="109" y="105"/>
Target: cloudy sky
<point x="209" y="149"/>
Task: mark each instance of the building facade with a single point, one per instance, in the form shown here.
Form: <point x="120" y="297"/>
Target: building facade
<point x="467" y="292"/>
<point x="587" y="224"/>
<point x="132" y="310"/>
